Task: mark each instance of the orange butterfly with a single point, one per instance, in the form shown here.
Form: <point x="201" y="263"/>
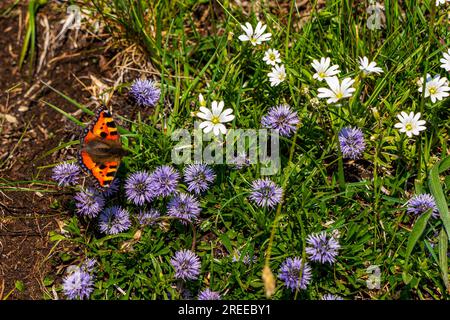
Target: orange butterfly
<point x="101" y="150"/>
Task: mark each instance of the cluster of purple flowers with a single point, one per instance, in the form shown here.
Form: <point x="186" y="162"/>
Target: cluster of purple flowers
<point x="351" y="141"/>
<point x="208" y="294"/>
<point x="420" y="203"/>
<point x="281" y="118"/>
<point x="295" y="273"/>
<point x="265" y="193"/>
<point x="145" y="92"/>
<point x="79" y="283"/>
<point x="198" y="177"/>
<point x="321" y="248"/>
<point x="148" y="218"/>
<point x="89" y="203"/>
<point x="114" y="220"/>
<point x="184" y="206"/>
<point x="186" y="264"/>
<point x="66" y="174"/>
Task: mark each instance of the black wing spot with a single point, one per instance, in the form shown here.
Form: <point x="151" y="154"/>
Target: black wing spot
<point x="102" y="167"/>
<point x="111" y="124"/>
<point x="111" y="174"/>
<point x="103" y="134"/>
<point x="113" y="133"/>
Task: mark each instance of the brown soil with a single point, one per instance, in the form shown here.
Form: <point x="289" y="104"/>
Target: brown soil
<point x="29" y="130"/>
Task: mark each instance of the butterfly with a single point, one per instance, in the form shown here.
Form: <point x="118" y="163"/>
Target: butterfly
<point x="101" y="150"/>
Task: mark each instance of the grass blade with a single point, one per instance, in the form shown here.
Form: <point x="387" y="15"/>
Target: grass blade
<point x="443" y="259"/>
<point x="416" y="233"/>
<point x="438" y="193"/>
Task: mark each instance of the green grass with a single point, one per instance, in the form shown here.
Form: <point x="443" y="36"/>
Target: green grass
<point x="369" y="213"/>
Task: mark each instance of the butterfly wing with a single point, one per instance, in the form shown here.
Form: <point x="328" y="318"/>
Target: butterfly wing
<point x="103" y="130"/>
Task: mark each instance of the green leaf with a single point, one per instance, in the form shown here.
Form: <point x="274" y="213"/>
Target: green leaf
<point x="19" y="285"/>
<point x="438" y="193"/>
<point x="443" y="259"/>
<point x="416" y="233"/>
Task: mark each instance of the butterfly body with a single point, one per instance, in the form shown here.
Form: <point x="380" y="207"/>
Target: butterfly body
<point x="101" y="150"/>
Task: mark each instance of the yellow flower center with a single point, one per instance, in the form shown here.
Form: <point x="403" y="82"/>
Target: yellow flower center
<point x="253" y="40"/>
<point x="322" y="75"/>
<point x="409" y="127"/>
<point x="215" y="120"/>
<point x="433" y="90"/>
<point x="272" y="57"/>
<point x="339" y="95"/>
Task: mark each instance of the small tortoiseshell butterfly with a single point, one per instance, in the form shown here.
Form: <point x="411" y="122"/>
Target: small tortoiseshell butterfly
<point x="101" y="150"/>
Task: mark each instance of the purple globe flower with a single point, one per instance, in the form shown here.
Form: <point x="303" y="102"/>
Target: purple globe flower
<point x="352" y="143"/>
<point x="112" y="189"/>
<point x="66" y="174"/>
<point x="114" y="220"/>
<point x="184" y="206"/>
<point x="281" y="118"/>
<point x="78" y="284"/>
<point x="148" y="218"/>
<point x="331" y="297"/>
<point x="421" y="203"/>
<point x="165" y="180"/>
<point x="187" y="265"/>
<point x="198" y="177"/>
<point x="294" y="275"/>
<point x="88" y="265"/>
<point x="89" y="203"/>
<point x="139" y="188"/>
<point x="265" y="193"/>
<point x="322" y="248"/>
<point x="145" y="92"/>
<point x="207" y="294"/>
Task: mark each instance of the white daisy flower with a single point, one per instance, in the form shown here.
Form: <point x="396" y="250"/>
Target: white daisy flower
<point x="446" y="61"/>
<point x="323" y="69"/>
<point x="439" y="2"/>
<point x="436" y="88"/>
<point x="369" y="67"/>
<point x="410" y="123"/>
<point x="337" y="91"/>
<point x="277" y="76"/>
<point x="215" y="118"/>
<point x="256" y="36"/>
<point x="272" y="57"/>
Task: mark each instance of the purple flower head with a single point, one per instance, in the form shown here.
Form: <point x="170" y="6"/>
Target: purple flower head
<point x="165" y="180"/>
<point x="114" y="220"/>
<point x="352" y="142"/>
<point x="198" y="177"/>
<point x="89" y="203"/>
<point x="207" y="294"/>
<point x="240" y="161"/>
<point x="88" y="265"/>
<point x="331" y="297"/>
<point x="290" y="272"/>
<point x="322" y="248"/>
<point x="148" y="218"/>
<point x="66" y="174"/>
<point x="187" y="265"/>
<point x="265" y="193"/>
<point x="145" y="92"/>
<point x="246" y="259"/>
<point x="184" y="206"/>
<point x="139" y="188"/>
<point x="112" y="189"/>
<point x="281" y="118"/>
<point x="421" y="203"/>
<point x="78" y="284"/>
